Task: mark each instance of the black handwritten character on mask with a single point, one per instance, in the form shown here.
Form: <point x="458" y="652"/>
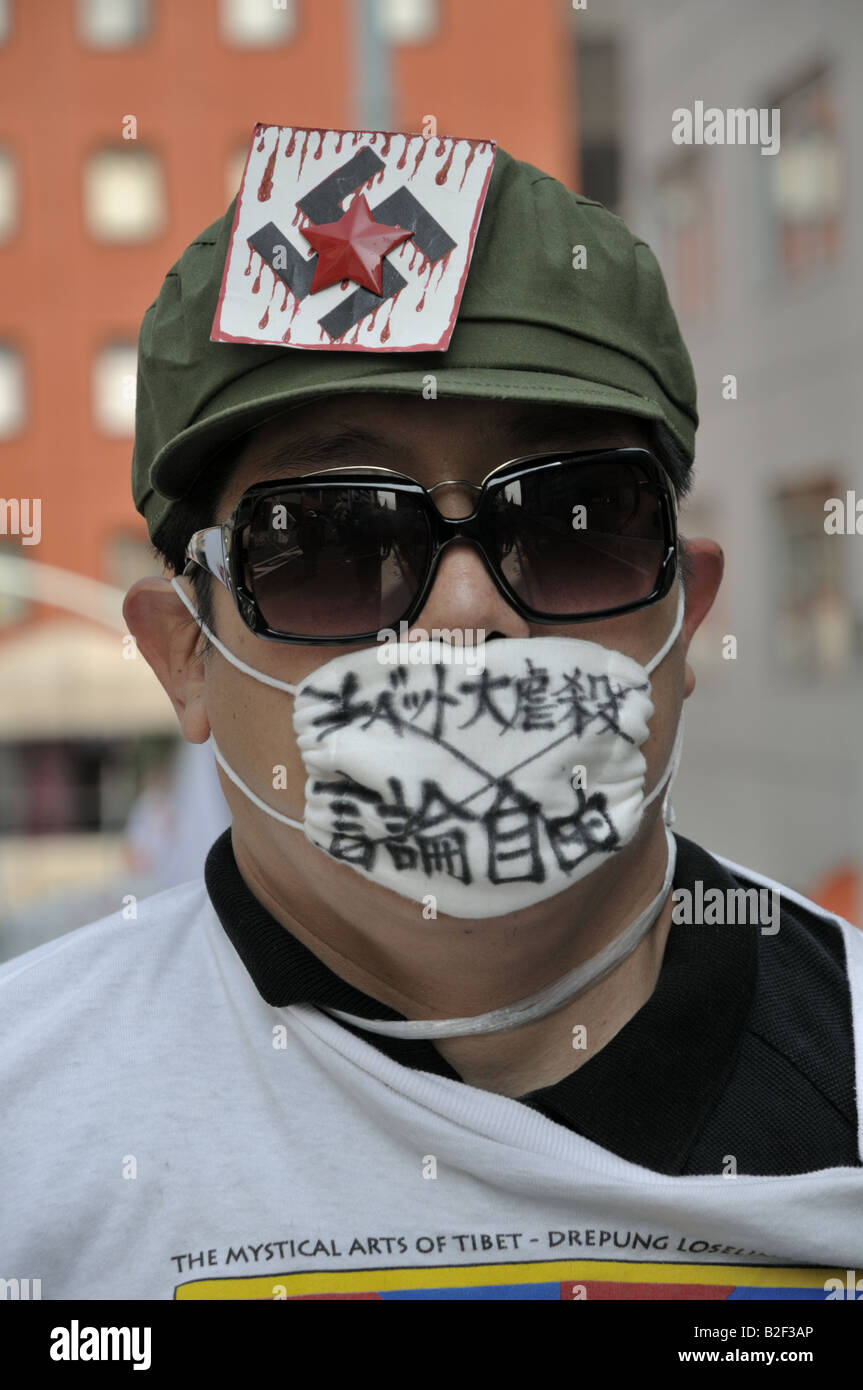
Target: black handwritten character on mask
<point x="345" y="709"/>
<point x="398" y="706"/>
<point x="512" y="825"/>
<point x="410" y="835"/>
<point x="441" y="845"/>
<point x="534" y="708"/>
<point x="350" y="840"/>
<point x="588" y="698"/>
<point x="482" y="690"/>
<point x="589" y="829"/>
<point x="531" y="708"/>
<point x="430" y="704"/>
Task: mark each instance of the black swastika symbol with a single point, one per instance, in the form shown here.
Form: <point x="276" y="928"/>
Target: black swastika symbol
<point x="324" y="204"/>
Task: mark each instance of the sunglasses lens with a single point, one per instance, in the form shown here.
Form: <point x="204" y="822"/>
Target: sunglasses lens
<point x="579" y="538"/>
<point x="335" y="561"/>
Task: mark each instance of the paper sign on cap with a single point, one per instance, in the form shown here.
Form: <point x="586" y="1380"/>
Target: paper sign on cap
<point x="357" y="240"/>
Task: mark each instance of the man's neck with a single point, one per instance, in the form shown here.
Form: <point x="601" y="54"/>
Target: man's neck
<point x="452" y="968"/>
<point x="542" y="1053"/>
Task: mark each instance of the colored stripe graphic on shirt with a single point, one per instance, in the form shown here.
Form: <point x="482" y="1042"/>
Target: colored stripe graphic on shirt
<point x="557" y="1280"/>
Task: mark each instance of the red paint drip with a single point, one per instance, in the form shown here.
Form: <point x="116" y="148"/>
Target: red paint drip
<point x="414" y="255"/>
<point x="265" y="187"/>
<point x="248" y="269"/>
<point x="430" y="268"/>
<point x="386" y="145"/>
<point x="385" y="332"/>
<point x="285" y="298"/>
<point x="468" y="163"/>
<point x="344" y="284"/>
<point x="320" y="149"/>
<point x="265" y="320"/>
<point x="295" y="309"/>
<point x="443" y="266"/>
<point x="420" y="156"/>
<point x="291" y="144"/>
<point x="261" y="141"/>
<point x="404" y="153"/>
<point x="356" y="334"/>
<point x="303" y="155"/>
<point x="441" y="147"/>
<point x="339" y="142"/>
<point x="286" y="336"/>
<point x="257" y="285"/>
<point x="441" y="175"/>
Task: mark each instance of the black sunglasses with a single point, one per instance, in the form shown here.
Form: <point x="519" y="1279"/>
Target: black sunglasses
<point x="336" y="557"/>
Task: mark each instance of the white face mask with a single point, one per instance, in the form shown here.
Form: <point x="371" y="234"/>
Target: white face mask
<point x="476" y="792"/>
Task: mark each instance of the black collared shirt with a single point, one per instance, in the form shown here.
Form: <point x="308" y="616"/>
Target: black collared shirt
<point x="744" y="1052"/>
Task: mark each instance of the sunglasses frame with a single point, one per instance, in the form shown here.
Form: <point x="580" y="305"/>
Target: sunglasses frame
<point x="218" y="549"/>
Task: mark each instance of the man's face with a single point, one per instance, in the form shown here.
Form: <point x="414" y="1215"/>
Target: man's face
<point x="430" y="442"/>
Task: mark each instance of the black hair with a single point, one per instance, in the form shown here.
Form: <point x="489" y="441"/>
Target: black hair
<point x="676" y="462"/>
<point x="201" y="508"/>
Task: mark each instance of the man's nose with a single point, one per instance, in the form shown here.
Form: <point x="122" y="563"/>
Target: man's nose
<point x="463" y="596"/>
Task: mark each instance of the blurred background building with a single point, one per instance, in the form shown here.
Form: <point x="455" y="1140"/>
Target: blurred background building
<point x="123" y="129"/>
<point x="762" y="258"/>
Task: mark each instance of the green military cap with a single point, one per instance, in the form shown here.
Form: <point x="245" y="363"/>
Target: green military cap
<point x="558" y="303"/>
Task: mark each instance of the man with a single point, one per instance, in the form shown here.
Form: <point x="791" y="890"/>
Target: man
<point x="431" y="1021"/>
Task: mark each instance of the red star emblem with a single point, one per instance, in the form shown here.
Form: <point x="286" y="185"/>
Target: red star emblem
<point x="352" y="248"/>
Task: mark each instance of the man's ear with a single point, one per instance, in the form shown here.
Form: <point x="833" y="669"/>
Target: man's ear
<point x="171" y="643"/>
<point x="706" y="564"/>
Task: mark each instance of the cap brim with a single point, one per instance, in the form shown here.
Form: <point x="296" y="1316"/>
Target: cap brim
<point x="231" y="414"/>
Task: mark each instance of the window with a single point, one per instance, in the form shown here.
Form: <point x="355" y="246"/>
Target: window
<point x="257" y="23"/>
<point x="113" y="23"/>
<point x="124" y="195"/>
<point x="687" y="229"/>
<point x="814" y="628"/>
<point x="8" y="195"/>
<point x="13" y="399"/>
<point x="114" y="374"/>
<point x="407" y="21"/>
<point x="599" y="118"/>
<point x="806" y="178"/>
<point x="56" y="786"/>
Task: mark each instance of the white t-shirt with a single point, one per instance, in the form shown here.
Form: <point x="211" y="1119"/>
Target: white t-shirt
<point x="168" y="1134"/>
